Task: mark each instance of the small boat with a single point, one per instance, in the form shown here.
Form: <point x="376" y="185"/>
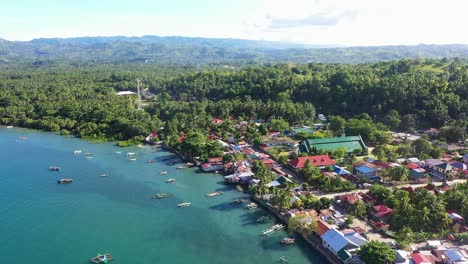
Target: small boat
<point x="184" y="204"/>
<point x="170" y="180"/>
<point x="287" y="241"/>
<point x="214" y="194"/>
<point x="272" y="229"/>
<point x="251" y="206"/>
<point x="117" y="152"/>
<point x="264" y="218"/>
<point x="102" y="258"/>
<point x="238" y="201"/>
<point x="283" y="259"/>
<point x="88" y="157"/>
<point x="239" y="188"/>
<point x="132" y="159"/>
<point x="189" y="164"/>
<point x="89" y="154"/>
<point x="162" y="195"/>
<point x="65" y="180"/>
<point x="22" y="138"/>
<point x="77" y="152"/>
<point x="9" y="127"/>
<point x="54" y="168"/>
<point x="130" y="153"/>
<point x="150" y="161"/>
<point x="104" y="175"/>
<point x="163" y="173"/>
<point x="182" y="167"/>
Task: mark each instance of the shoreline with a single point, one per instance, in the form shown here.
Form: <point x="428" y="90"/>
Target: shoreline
<point x="313" y="241"/>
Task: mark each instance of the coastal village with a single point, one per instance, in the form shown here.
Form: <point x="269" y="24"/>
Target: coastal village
<point x="342" y="196"/>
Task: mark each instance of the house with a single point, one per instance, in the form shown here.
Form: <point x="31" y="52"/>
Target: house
<point x="338" y="244"/>
<point x="269" y="163"/>
<point x="318" y="161"/>
<point x="355" y="238"/>
<point x="402" y="257"/>
<point x="444" y="168"/>
<point x="454" y="256"/>
<point x="279" y="181"/>
<point x="322" y="227"/>
<point x="432" y="163"/>
<point x="459" y="165"/>
<point x="346" y="200"/>
<point x="413" y="160"/>
<point x="432" y="132"/>
<point x="340" y="171"/>
<point x="416" y="174"/>
<point x="125" y="93"/>
<point x="465" y="158"/>
<point x="412" y="166"/>
<point x="365" y="172"/>
<point x="381" y="211"/>
<point x="419" y="258"/>
<point x="331" y="144"/>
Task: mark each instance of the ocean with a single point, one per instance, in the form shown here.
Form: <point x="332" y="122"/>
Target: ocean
<point x="45" y="222"/>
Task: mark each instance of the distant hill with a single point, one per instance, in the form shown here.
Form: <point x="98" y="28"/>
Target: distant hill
<point x="185" y="50"/>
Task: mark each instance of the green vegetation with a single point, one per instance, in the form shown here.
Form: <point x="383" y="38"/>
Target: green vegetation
<point x="375" y="252"/>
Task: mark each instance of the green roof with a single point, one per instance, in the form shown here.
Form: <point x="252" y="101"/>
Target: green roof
<point x="344" y="254"/>
<point x="445" y="166"/>
<point x="330" y="144"/>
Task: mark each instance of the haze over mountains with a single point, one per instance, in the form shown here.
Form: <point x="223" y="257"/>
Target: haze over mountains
<point x="187" y="50"/>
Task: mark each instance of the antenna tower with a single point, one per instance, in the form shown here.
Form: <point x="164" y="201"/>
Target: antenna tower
<point x="139" y="95"/>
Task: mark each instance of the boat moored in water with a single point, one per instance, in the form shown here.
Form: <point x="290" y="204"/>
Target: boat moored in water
<point x="130" y="153"/>
<point x="54" y="168"/>
<point x="238" y="201"/>
<point x="132" y="159"/>
<point x="170" y="180"/>
<point x="287" y="241"/>
<point x="264" y="218"/>
<point x="184" y="204"/>
<point x="162" y="195"/>
<point x="272" y="229"/>
<point x="251" y="206"/>
<point x="163" y="173"/>
<point x="214" y="194"/>
<point x="65" y="180"/>
<point x="77" y="151"/>
<point x="151" y="161"/>
<point x="102" y="258"/>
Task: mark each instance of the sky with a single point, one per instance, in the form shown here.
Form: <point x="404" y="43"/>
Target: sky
<point x="321" y="22"/>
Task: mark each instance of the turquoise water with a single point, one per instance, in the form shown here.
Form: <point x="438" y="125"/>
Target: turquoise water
<point x="45" y="222"/>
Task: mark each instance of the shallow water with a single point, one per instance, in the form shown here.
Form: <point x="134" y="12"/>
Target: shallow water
<point x="45" y="222"/>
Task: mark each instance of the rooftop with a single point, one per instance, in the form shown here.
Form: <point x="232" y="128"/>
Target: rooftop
<point x="318" y="161"/>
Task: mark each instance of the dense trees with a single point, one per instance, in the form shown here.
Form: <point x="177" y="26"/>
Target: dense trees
<point x="375" y="252"/>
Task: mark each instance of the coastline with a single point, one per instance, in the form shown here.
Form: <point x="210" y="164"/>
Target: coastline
<point x="313" y="241"/>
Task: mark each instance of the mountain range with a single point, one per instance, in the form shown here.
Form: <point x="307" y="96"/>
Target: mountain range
<point x="188" y="50"/>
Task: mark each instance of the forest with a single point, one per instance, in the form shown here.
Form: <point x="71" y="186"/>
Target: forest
<point x="401" y="95"/>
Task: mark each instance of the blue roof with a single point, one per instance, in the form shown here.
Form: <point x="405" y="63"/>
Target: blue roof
<point x="340" y="171"/>
<point x="335" y="239"/>
<point x="365" y="169"/>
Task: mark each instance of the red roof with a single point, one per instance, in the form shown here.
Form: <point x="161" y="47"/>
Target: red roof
<point x="419" y="258"/>
<point x="217" y="121"/>
<point x="412" y="166"/>
<point x="350" y="198"/>
<point x="318" y="161"/>
<point x="382" y="210"/>
<point x="322" y="227"/>
<point x="268" y="161"/>
<point x="380" y="225"/>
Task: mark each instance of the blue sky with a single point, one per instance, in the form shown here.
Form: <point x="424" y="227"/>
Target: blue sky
<point x="345" y="22"/>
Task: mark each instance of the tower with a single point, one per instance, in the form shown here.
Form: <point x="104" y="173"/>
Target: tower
<point x="139" y="95"/>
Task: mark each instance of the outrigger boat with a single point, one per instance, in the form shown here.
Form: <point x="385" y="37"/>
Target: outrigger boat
<point x="214" y="194"/>
<point x="272" y="229"/>
<point x="104" y="175"/>
<point x="130" y="153"/>
<point x="184" y="204"/>
<point x="287" y="241"/>
<point x="182" y="167"/>
<point x="163" y="173"/>
<point x="264" y="218"/>
<point x="89" y="154"/>
<point x="162" y="195"/>
<point x="283" y="259"/>
<point x="54" y="168"/>
<point x="77" y="151"/>
<point x="251" y="206"/>
<point x="133" y="159"/>
<point x="238" y="201"/>
<point x="102" y="258"/>
<point x="117" y="152"/>
<point x="65" y="180"/>
<point x="170" y="180"/>
<point x="150" y="161"/>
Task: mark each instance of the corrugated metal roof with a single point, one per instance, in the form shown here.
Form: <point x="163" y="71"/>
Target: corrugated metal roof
<point x="335" y="239"/>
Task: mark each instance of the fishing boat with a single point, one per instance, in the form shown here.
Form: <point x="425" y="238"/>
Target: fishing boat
<point x="238" y="201"/>
<point x="102" y="258"/>
<point x="283" y="259"/>
<point x="117" y="152"/>
<point x="184" y="204"/>
<point x="287" y="241"/>
<point x="251" y="206"/>
<point x="89" y="154"/>
<point x="264" y="218"/>
<point x="182" y="167"/>
<point x="130" y="153"/>
<point x="132" y="159"/>
<point x="65" y="180"/>
<point x="272" y="229"/>
<point x="88" y="157"/>
<point x="170" y="180"/>
<point x="162" y="195"/>
<point x="9" y="127"/>
<point x="163" y="173"/>
<point x="214" y="194"/>
<point x="22" y="138"/>
<point x="77" y="152"/>
<point x="54" y="168"/>
<point x="104" y="175"/>
<point x="189" y="164"/>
